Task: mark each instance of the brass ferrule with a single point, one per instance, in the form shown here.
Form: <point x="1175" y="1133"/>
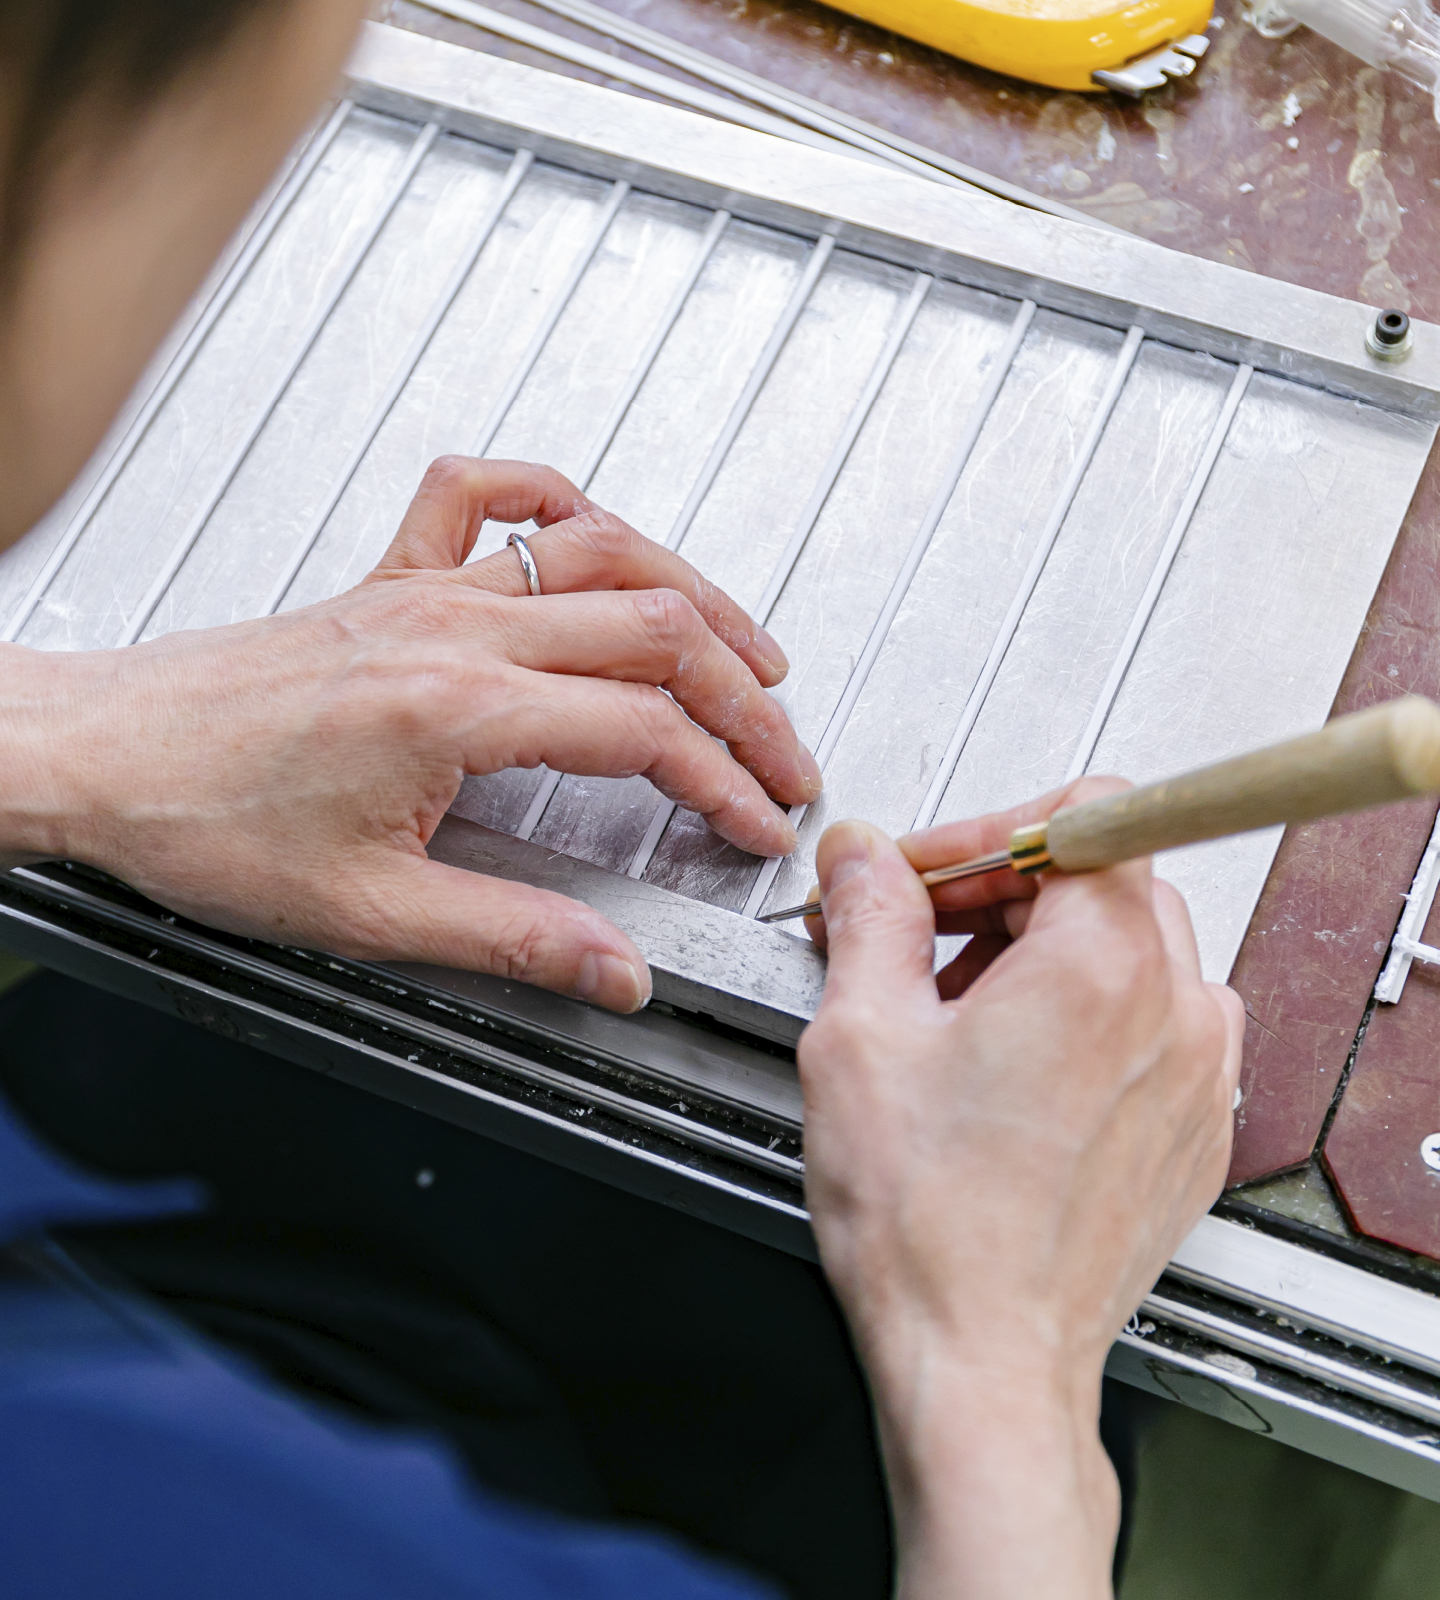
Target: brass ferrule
<point x="1030" y="848"/>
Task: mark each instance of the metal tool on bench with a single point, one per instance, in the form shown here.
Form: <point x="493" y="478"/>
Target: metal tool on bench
<point x="1389" y="752"/>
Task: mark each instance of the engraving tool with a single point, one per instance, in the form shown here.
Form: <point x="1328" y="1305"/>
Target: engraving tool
<point x="1390" y="752"/>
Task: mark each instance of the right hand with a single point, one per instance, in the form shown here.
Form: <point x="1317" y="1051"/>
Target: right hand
<point x="281" y="778"/>
<point x="996" y="1179"/>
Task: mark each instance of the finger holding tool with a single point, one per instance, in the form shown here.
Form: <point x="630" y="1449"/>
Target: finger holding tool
<point x="1390" y="752"/>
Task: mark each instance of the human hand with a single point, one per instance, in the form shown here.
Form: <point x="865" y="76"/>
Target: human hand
<point x="281" y="778"/>
<point x="997" y="1178"/>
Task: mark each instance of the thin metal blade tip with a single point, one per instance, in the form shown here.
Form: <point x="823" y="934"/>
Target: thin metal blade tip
<point x="811" y="908"/>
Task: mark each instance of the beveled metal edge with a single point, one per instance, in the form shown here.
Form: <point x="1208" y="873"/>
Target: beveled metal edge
<point x="626" y="1165"/>
<point x="1330" y="1296"/>
<point x="1276" y="327"/>
<point x="702" y="958"/>
<point x="1381" y="1444"/>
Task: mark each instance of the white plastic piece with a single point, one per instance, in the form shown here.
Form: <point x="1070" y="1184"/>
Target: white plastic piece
<point x="1405" y="947"/>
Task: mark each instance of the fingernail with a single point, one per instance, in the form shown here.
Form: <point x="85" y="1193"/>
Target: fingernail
<point x="612" y="982"/>
<point x="810" y="771"/>
<point x="770" y="652"/>
<point x="847" y="857"/>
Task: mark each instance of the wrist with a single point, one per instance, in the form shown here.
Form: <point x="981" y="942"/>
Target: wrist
<point x="39" y="802"/>
<point x="1000" y="1483"/>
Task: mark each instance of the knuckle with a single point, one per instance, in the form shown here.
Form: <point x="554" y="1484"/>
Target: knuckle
<point x="605" y="536"/>
<point x="515" y="948"/>
<point x="446" y="474"/>
<point x="668" y="618"/>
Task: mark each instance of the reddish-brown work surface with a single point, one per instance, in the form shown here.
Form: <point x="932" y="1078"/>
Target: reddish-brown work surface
<point x="1286" y="157"/>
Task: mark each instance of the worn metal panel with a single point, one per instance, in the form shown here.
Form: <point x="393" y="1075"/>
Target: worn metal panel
<point x="461" y="375"/>
<point x="98" y="588"/>
<point x="1255" y="626"/>
<point x="266" y="511"/>
<point x="940" y="637"/>
<point x="858" y="544"/>
<point x="743" y="523"/>
<point x="1024" y="739"/>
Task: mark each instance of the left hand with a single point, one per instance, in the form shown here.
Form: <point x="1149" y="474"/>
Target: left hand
<point x="281" y="778"/>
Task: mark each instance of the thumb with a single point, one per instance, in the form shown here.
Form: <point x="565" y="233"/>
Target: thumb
<point x="880" y="925"/>
<point x="453" y="918"/>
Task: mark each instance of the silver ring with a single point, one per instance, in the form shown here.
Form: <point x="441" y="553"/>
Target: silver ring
<point x="527" y="561"/>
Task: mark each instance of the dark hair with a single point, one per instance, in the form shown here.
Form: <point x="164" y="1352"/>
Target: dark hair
<point x="63" y="57"/>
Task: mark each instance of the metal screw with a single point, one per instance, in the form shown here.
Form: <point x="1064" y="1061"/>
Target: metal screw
<point x="1388" y="337"/>
<point x="1430" y="1151"/>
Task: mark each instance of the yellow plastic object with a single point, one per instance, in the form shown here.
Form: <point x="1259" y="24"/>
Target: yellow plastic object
<point x="1055" y="42"/>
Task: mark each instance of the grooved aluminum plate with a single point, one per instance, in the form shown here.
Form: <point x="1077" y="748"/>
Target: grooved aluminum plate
<point x="1020" y="498"/>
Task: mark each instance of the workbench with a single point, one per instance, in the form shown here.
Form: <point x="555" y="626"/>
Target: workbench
<point x="1286" y="158"/>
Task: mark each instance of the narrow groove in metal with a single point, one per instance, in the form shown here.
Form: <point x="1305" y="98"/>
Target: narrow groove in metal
<point x="648" y="356"/>
<point x="1166" y="559"/>
<point x="401" y="376"/>
<point x="824" y="245"/>
<point x="862" y="138"/>
<point x="584" y="55"/>
<point x="980" y="413"/>
<point x="179" y="365"/>
<point x="556" y="309"/>
<point x="1292" y="1355"/>
<point x="1056" y="520"/>
<point x="809" y="517"/>
<point x="713" y="462"/>
<point x="196" y="526"/>
<point x="549" y="781"/>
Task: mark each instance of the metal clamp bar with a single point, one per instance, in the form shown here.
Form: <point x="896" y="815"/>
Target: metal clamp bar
<point x="400" y="377"/>
<point x="808" y="517"/>
<point x="193" y="529"/>
<point x="556" y="309"/>
<point x="713" y="462"/>
<point x="641" y="370"/>
<point x="1011" y="622"/>
<point x="1166" y="559"/>
<point x="179" y="365"/>
<point x="994" y="382"/>
<point x="1297" y="1357"/>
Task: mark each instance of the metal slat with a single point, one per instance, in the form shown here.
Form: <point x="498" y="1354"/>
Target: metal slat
<point x="1143" y="612"/>
<point x="399" y="378"/>
<point x="780" y="574"/>
<point x="193" y="529"/>
<point x="761" y="371"/>
<point x="641" y="370"/>
<point x="881" y="627"/>
<point x="1126" y="359"/>
<point x="1077" y="616"/>
<point x="553" y="312"/>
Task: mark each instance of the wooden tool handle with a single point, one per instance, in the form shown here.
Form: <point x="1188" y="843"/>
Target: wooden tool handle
<point x="1365" y="759"/>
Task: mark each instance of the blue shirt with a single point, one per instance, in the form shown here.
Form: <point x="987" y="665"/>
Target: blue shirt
<point x="137" y="1461"/>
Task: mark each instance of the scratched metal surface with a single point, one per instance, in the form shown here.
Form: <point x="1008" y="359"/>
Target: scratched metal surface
<point x="956" y="507"/>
